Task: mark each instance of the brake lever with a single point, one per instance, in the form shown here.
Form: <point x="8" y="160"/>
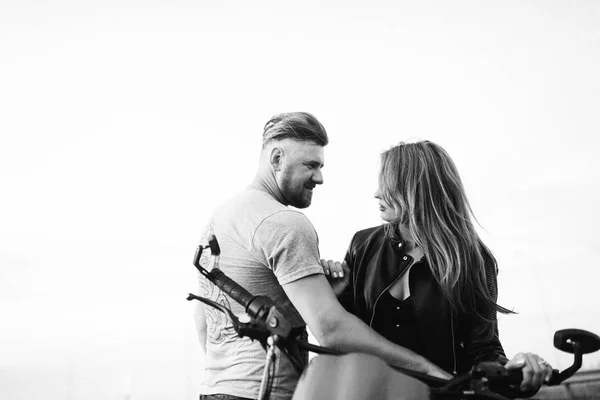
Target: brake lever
<point x="245" y="326"/>
<point x="218" y="306"/>
<point x="456" y="382"/>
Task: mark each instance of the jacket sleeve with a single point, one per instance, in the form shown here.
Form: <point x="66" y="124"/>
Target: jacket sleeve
<point x="347" y="299"/>
<point x="482" y="344"/>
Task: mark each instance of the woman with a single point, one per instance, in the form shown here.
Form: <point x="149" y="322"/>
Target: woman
<point x="425" y="280"/>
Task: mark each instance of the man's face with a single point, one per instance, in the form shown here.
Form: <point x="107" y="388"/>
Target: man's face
<point x="300" y="172"/>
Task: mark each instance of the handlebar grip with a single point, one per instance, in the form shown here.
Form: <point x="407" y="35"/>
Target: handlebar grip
<point x="496" y="373"/>
<point x="230" y="287"/>
<point x="514" y="376"/>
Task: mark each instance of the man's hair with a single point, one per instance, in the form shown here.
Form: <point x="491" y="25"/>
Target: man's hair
<point x="298" y="126"/>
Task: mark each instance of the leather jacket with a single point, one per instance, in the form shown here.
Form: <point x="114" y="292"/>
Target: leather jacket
<point x="450" y="339"/>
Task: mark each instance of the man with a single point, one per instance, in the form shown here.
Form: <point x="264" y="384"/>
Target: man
<point x="272" y="250"/>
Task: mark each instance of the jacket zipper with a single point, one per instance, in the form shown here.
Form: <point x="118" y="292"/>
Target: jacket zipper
<point x="378" y="297"/>
<point x="383" y="291"/>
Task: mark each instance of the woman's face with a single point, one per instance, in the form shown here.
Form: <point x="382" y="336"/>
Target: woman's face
<point x="387" y="212"/>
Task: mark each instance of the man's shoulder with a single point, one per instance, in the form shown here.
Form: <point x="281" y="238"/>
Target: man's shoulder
<point x="266" y="208"/>
<point x="250" y="202"/>
<point x="257" y="211"/>
<point x="288" y="220"/>
<point x="288" y="216"/>
<point x="251" y="194"/>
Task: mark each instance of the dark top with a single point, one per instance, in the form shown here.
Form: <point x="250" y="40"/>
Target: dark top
<point x="395" y="320"/>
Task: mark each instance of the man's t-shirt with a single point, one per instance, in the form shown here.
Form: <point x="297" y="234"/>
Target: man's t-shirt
<point x="264" y="245"/>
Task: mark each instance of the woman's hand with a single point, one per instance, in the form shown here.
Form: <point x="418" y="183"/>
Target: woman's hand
<point x="535" y="369"/>
<point x="338" y="275"/>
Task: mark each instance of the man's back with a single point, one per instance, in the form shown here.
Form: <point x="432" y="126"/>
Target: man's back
<point x="264" y="244"/>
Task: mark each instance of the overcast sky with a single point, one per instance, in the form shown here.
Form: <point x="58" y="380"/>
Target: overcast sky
<point x="123" y="123"/>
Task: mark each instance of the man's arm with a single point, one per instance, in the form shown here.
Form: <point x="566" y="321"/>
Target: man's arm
<point x="333" y="327"/>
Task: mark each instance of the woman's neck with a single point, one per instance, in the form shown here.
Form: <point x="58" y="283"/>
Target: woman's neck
<point x="407" y="238"/>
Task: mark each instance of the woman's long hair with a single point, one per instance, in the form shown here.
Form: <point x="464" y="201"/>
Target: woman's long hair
<point x="420" y="181"/>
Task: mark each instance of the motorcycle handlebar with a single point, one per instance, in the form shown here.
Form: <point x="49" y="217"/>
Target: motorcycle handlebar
<point x="230" y="287"/>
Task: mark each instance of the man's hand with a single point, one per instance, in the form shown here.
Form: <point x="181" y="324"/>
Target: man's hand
<point x="338" y="275"/>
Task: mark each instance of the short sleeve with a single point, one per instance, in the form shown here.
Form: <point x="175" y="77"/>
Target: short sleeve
<point x="289" y="245"/>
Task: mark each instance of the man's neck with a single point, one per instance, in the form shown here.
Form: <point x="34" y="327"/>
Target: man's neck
<point x="270" y="187"/>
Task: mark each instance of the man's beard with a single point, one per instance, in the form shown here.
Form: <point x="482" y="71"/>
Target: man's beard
<point x="299" y="197"/>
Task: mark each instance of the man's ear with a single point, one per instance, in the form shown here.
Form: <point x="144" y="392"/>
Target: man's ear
<point x="276" y="158"/>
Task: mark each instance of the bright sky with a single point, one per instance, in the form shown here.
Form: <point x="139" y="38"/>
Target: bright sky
<point x="123" y="123"/>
